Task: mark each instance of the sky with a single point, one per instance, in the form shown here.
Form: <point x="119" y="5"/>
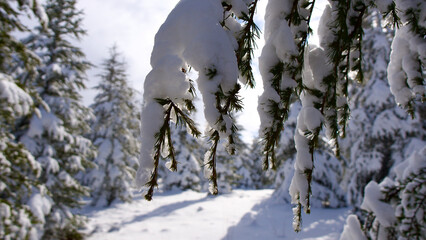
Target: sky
<point x="132" y="25"/>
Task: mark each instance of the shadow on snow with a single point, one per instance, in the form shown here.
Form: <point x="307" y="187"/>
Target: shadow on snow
<point x="272" y="219"/>
<point x="164" y="210"/>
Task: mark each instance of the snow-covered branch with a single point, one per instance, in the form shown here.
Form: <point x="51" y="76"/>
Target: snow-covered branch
<point x="206" y="37"/>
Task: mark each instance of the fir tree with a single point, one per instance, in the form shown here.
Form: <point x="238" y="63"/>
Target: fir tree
<point x="56" y="136"/>
<point x="12" y="49"/>
<point x="225" y="171"/>
<point x="382" y="145"/>
<point x="19" y="171"/>
<point x="20" y="188"/>
<point x="380" y="135"/>
<point x="393" y="209"/>
<point x="252" y="160"/>
<point x="248" y="171"/>
<point x="113" y="133"/>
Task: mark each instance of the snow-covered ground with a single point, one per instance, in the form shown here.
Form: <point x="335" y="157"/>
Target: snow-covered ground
<point x="242" y="214"/>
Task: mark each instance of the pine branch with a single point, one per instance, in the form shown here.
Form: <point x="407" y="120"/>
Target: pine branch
<point x="211" y="161"/>
<point x="391" y="16"/>
<point x="293" y="68"/>
<point x="297" y="215"/>
<point x="272" y="135"/>
<point x="301" y="41"/>
<point x="160" y="139"/>
<point x="226" y="103"/>
<point x="163" y="140"/>
<point x="413" y="20"/>
<point x="409" y="191"/>
<point x="247" y="44"/>
<point x="339" y="52"/>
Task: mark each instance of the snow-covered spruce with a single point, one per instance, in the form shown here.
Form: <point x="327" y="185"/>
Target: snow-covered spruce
<point x="55" y="136"/>
<point x="115" y="132"/>
<point x="380" y="135"/>
<point x="235" y="171"/>
<point x="248" y="167"/>
<point x="256" y="177"/>
<point x="21" y="215"/>
<point x="205" y="36"/>
<point x="19" y="171"/>
<point x="395" y="208"/>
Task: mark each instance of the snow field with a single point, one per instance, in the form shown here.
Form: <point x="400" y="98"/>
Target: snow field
<point x="242" y="214"/>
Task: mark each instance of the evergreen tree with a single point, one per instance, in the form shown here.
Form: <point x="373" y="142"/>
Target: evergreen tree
<point x="19" y="171"/>
<point x="248" y="168"/>
<point x="12" y="49"/>
<point x="225" y="170"/>
<point x="114" y="132"/>
<point x="20" y="210"/>
<point x="253" y="160"/>
<point x="55" y="136"/>
<point x="393" y="209"/>
<point x="248" y="174"/>
<point x="383" y="145"/>
<point x="380" y="135"/>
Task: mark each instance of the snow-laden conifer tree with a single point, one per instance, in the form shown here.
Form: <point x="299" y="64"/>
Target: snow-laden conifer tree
<point x="11" y="48"/>
<point x="216" y="39"/>
<point x="19" y="171"/>
<point x="395" y="208"/>
<point x="246" y="170"/>
<point x="188" y="155"/>
<point x="21" y="206"/>
<point x="380" y="135"/>
<point x="226" y="170"/>
<point x="252" y="162"/>
<point x="114" y="132"/>
<point x="55" y="136"/>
